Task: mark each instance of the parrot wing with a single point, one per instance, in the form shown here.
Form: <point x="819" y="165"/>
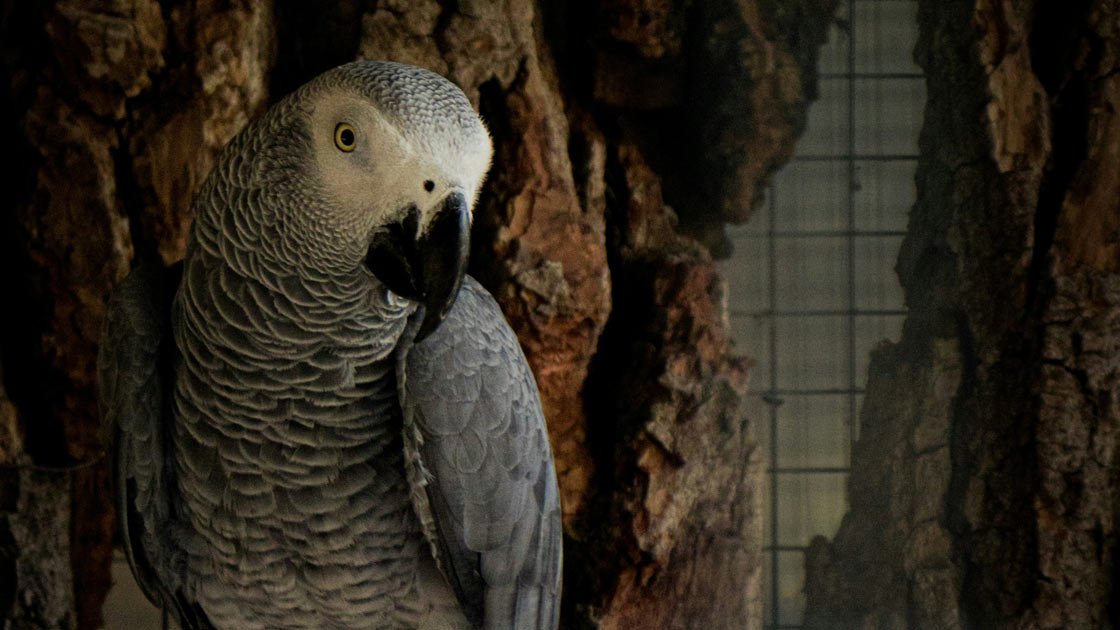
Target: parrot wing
<point x="481" y="467"/>
<point x="133" y="373"/>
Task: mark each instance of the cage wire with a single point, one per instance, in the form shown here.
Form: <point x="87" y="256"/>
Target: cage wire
<point x="812" y="281"/>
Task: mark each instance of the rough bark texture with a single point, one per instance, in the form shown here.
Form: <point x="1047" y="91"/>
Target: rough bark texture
<point x="35" y="573"/>
<point x="35" y="576"/>
<point x="986" y="483"/>
<point x="604" y="114"/>
<point x="117" y="109"/>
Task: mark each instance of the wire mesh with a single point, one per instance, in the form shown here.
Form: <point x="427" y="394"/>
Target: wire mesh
<point x="812" y="280"/>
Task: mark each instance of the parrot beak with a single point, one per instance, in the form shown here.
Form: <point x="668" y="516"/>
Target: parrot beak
<point x="427" y="263"/>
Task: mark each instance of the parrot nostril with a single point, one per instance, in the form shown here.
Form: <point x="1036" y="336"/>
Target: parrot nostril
<point x="429" y="185"/>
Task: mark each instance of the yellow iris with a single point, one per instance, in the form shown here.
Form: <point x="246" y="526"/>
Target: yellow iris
<point x="345" y="137"/>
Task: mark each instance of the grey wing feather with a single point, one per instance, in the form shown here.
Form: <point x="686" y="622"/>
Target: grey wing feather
<point x="477" y="440"/>
<point x="133" y="367"/>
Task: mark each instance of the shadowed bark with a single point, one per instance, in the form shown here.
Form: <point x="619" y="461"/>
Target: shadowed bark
<point x="984" y="491"/>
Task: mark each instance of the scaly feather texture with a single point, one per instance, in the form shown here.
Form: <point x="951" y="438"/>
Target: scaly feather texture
<point x="288" y="455"/>
<point x="473" y="420"/>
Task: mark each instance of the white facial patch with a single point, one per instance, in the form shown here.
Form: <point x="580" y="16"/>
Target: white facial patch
<point x="392" y="166"/>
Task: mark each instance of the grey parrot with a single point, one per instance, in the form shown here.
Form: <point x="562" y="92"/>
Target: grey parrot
<point x="321" y="421"/>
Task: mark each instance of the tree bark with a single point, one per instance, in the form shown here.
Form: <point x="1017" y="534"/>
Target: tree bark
<point x="985" y="490"/>
<point x="627" y="132"/>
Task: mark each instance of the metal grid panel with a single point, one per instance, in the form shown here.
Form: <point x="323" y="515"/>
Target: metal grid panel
<point x="812" y="281"/>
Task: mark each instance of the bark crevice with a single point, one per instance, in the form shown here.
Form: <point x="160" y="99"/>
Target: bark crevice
<point x="1014" y="236"/>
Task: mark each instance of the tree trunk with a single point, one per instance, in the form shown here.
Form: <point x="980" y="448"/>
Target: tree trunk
<point x="607" y="116"/>
<point x="985" y="489"/>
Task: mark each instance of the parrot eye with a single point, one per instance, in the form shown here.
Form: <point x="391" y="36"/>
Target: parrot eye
<point x="345" y="137"/>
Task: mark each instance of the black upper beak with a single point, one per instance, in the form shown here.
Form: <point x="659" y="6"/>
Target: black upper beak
<point x="425" y="263"/>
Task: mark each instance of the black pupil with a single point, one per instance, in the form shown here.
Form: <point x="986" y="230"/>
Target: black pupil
<point x="347" y="137"/>
<point x="429" y="185"/>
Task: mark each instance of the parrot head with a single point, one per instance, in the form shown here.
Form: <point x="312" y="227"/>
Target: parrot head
<point x="398" y="156"/>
